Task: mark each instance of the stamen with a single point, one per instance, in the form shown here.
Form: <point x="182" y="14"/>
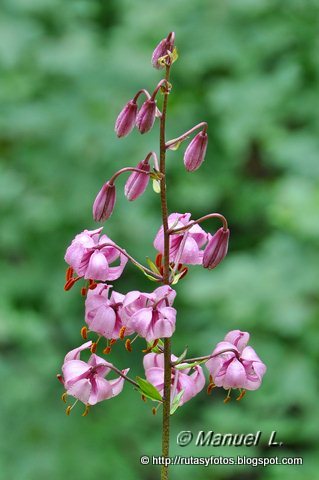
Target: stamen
<point x="210" y="388"/>
<point x="143" y="398"/>
<point x="69" y="274"/>
<point x="154" y="409"/>
<point x="228" y="398"/>
<point x="60" y="378"/>
<point x="64" y="397"/>
<point x="112" y="341"/>
<point x="107" y="350"/>
<point x="185" y="271"/>
<point x="158" y="260"/>
<point x="69" y="408"/>
<point x="149" y="349"/>
<point x="69" y="284"/>
<point x="128" y="345"/>
<point x="122" y="333"/>
<point x="92" y="284"/>
<point x="83" y="291"/>
<point x="211" y="379"/>
<point x="84" y="332"/>
<point x="241" y="395"/>
<point x="86" y="411"/>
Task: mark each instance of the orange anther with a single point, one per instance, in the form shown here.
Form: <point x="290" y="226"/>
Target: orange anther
<point x="128" y="345"/>
<point x="122" y="333"/>
<point x="84" y="333"/>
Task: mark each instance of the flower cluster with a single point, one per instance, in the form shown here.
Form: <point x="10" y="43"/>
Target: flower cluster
<point x="149" y="315"/>
<point x="111" y="316"/>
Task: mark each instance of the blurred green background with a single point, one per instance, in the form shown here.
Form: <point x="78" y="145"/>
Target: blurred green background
<point x="251" y="69"/>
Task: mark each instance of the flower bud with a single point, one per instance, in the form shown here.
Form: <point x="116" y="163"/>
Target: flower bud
<point x="195" y="152"/>
<point x="146" y="116"/>
<point x="126" y="120"/>
<point x="166" y="45"/>
<point x="104" y="202"/>
<point x="137" y="182"/>
<point x="216" y="248"/>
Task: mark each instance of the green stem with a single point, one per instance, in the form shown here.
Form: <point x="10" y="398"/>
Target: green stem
<point x="167" y="341"/>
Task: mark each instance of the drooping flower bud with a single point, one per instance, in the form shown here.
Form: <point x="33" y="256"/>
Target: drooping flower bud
<point x="195" y="152"/>
<point x="137" y="182"/>
<point x="166" y="45"/>
<point x="104" y="202"/>
<point x="146" y="116"/>
<point x="216" y="249"/>
<point x="126" y="120"/>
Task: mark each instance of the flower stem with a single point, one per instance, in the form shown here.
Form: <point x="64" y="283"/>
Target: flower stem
<point x="167" y="341"/>
<point x="135" y="262"/>
<point x="207" y="357"/>
<point x="199" y="220"/>
<point x="183" y="137"/>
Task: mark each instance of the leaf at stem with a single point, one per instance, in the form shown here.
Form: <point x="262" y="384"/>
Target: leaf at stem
<point x="176" y="401"/>
<point x="147" y="389"/>
<point x="152" y="266"/>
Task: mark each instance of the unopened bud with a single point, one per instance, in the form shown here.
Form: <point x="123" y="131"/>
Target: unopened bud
<point x="165" y="47"/>
<point x="196" y="151"/>
<point x="146" y="116"/>
<point x="216" y="249"/>
<point x="104" y="202"/>
<point x="137" y="182"/>
<point x="126" y="120"/>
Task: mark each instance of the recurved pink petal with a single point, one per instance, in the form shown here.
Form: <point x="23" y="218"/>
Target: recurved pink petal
<point x="235" y="376"/>
<point x="141" y="321"/>
<point x="118" y="383"/>
<point x="75" y="353"/>
<point x="101" y="390"/>
<point x="103" y="322"/>
<point x="238" y="338"/>
<point x="98" y="267"/>
<point x="73" y="370"/>
<point x="115" y="272"/>
<point x="225" y="348"/>
<point x="249" y="354"/>
<point x="81" y="390"/>
<point x="155" y="376"/>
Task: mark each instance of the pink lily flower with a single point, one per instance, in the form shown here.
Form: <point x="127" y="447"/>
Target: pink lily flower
<point x="188" y="251"/>
<point x="91" y="260"/>
<point x="151" y="314"/>
<point x="192" y="383"/>
<point x="85" y="380"/>
<point x="240" y="367"/>
<point x="103" y="314"/>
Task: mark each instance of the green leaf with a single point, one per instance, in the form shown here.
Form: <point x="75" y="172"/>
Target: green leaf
<point x="182" y="356"/>
<point x="152" y="266"/>
<point x="174" y="55"/>
<point x="184" y="366"/>
<point x="176" y="401"/>
<point x="148" y="389"/>
<point x="175" y="146"/>
<point x="177" y="278"/>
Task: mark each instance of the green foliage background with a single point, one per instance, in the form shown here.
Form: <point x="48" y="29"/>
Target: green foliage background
<point x="251" y="69"/>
